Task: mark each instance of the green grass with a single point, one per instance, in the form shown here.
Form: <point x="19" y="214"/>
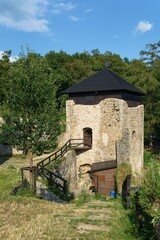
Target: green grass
<point x="30" y="218"/>
<point x="9" y="177"/>
<point x="82" y="198"/>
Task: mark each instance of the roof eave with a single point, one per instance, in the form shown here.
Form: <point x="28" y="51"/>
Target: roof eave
<point x="140" y="93"/>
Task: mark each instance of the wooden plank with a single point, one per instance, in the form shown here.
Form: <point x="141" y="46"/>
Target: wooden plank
<point x="104" y="181"/>
<point x="104" y="165"/>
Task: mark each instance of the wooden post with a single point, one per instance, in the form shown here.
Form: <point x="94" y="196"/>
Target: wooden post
<point x="22" y="177"/>
<point x="34" y="180"/>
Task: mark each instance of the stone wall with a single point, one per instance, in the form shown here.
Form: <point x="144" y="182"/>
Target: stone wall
<point x="117" y="134"/>
<point x="67" y="169"/>
<point x="5" y="150"/>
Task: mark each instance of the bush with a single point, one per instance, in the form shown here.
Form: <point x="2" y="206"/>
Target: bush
<point x="25" y="192"/>
<point x="149" y="194"/>
<point x="146" y="203"/>
<point x="123" y="170"/>
<point x="83" y="197"/>
<point x="148" y="157"/>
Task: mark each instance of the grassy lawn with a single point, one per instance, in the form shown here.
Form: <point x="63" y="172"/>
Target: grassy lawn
<point x="26" y="218"/>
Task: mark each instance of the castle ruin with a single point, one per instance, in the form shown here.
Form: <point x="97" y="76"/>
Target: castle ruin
<point x="106" y="112"/>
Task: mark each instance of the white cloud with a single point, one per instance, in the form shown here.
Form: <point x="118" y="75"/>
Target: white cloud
<point x="1" y="54"/>
<point x="144" y="26"/>
<point x="88" y="10"/>
<point x="12" y="58"/>
<point x="65" y="6"/>
<point x="74" y="18"/>
<point x="56" y="11"/>
<point x="60" y="7"/>
<point x="26" y="15"/>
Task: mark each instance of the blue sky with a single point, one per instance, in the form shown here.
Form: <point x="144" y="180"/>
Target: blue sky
<point x="120" y="26"/>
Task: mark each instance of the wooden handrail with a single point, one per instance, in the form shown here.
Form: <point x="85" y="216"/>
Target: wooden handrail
<point x="44" y="172"/>
<point x="70" y="143"/>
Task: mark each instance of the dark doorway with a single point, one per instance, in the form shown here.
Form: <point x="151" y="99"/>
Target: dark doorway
<point x="87" y="137"/>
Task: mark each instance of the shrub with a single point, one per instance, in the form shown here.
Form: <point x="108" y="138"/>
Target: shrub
<point x="123" y="170"/>
<point x="146" y="202"/>
<point x="149" y="194"/>
<point x="83" y="197"/>
<point x="148" y="157"/>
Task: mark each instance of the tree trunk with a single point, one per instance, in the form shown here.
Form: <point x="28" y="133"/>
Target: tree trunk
<point x="25" y="151"/>
<point x="31" y="159"/>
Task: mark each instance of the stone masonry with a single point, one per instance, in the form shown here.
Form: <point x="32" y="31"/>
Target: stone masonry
<point x="117" y="134"/>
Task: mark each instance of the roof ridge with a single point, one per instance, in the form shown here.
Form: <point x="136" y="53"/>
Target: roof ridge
<point x="103" y="80"/>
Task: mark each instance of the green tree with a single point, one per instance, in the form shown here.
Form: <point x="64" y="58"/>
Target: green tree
<point x="151" y="57"/>
<point x="116" y="64"/>
<point x="151" y="53"/>
<point x="77" y="70"/>
<point x="149" y="199"/>
<point x="30" y="116"/>
<point x="4" y="74"/>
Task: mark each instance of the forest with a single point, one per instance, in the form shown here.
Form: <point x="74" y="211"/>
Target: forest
<point x="33" y="108"/>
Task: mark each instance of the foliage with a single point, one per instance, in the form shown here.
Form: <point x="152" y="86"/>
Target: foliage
<point x="149" y="194"/>
<point x="148" y="157"/>
<point x="102" y="198"/>
<point x="9" y="177"/>
<point x="31" y="91"/>
<point x="30" y="115"/>
<point x="122" y="171"/>
<point x="145" y="207"/>
<point x="151" y="53"/>
<point x="82" y="198"/>
<point x="151" y="57"/>
<point x="4" y="75"/>
<point x="55" y="164"/>
<point x="25" y="191"/>
<point x="66" y="196"/>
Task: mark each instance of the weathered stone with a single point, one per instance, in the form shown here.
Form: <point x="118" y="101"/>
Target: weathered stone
<point x="117" y="134"/>
<point x="67" y="169"/>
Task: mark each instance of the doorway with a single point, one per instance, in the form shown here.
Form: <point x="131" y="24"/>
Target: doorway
<point x="87" y="137"/>
<point x="104" y="181"/>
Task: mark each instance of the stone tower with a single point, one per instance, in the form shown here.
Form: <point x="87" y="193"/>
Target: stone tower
<point x="105" y="111"/>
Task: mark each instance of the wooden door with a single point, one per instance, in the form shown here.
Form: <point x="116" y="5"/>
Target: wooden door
<point x="104" y="181"/>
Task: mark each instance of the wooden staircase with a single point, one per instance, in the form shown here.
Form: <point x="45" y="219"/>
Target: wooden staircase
<point x="52" y="178"/>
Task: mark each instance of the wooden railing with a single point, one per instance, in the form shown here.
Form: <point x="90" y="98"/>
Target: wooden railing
<point x="53" y="178"/>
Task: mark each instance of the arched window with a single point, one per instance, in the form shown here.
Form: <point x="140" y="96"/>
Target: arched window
<point x="87" y="137"/>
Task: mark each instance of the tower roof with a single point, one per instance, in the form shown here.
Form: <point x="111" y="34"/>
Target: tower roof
<point x="103" y="81"/>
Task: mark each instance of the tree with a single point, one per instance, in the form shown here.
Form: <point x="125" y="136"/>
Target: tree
<point x="30" y="116"/>
<point x="77" y="70"/>
<point x="151" y="58"/>
<point x="4" y="74"/>
<point x="151" y="53"/>
<point x="116" y="64"/>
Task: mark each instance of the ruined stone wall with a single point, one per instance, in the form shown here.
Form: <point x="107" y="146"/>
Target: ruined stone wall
<point x="67" y="169"/>
<point x="136" y="129"/>
<point x="130" y="147"/>
<point x="117" y="133"/>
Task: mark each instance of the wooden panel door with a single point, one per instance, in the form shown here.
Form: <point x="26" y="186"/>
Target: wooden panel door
<point x="104" y="181"/>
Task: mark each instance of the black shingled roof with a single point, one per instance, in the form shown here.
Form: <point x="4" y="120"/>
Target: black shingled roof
<point x="103" y="81"/>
